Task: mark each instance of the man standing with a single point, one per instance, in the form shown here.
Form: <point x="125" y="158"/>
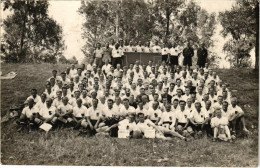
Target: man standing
<point x="202" y="56"/>
<point x="98" y="54"/>
<point x="116" y="56"/>
<point x="107" y="51"/>
<point x="188" y="53"/>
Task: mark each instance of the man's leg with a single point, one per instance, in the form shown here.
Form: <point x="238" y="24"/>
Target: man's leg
<point x="227" y="131"/>
<point x="215" y="130"/>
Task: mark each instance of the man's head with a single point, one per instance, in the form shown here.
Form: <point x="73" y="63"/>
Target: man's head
<point x="79" y="102"/>
<point x="110" y="103"/>
<point x="182" y="104"/>
<point x="218" y="112"/>
<point x="48" y="102"/>
<point x="65" y="100"/>
<point x="198" y="106"/>
<point x="95" y="103"/>
<point x="34" y="92"/>
<point x="30" y="102"/>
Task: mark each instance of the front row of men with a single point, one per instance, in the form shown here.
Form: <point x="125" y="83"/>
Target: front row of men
<point x="102" y="117"/>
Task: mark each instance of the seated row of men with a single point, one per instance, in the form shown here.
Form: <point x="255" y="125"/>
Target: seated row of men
<point x="102" y="105"/>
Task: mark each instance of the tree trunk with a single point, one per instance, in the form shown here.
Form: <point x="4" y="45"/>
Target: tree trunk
<point x="257" y="38"/>
<point x="167" y="24"/>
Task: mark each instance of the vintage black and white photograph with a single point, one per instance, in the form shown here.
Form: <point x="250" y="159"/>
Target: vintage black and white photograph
<point x="130" y="82"/>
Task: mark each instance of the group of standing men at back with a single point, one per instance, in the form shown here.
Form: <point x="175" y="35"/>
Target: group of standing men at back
<point x="114" y="53"/>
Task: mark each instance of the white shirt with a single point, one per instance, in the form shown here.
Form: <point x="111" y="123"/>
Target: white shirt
<point x="126" y="125"/>
<point x="168" y="117"/>
<point x="146" y="125"/>
<point x="116" y="53"/>
<point x="106" y="68"/>
<point x="46" y="112"/>
<point x="200" y="117"/>
<point x="79" y="111"/>
<point x="215" y="122"/>
<point x="36" y="99"/>
<point x="64" y="108"/>
<point x="108" y="112"/>
<point x="125" y="111"/>
<point x="154" y="114"/>
<point x="174" y="51"/>
<point x="165" y="51"/>
<point x="94" y="114"/>
<point x="183" y="116"/>
<point x="156" y="49"/>
<point x="139" y="48"/>
<point x="29" y="112"/>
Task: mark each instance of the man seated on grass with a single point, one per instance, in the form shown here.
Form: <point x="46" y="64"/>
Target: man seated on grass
<point x="183" y="116"/>
<point x="200" y="119"/>
<point x="144" y="125"/>
<point x="92" y="118"/>
<point x="28" y="115"/>
<point x="47" y="114"/>
<point x="237" y="116"/>
<point x="64" y="111"/>
<point x="78" y="113"/>
<point x="219" y="124"/>
<point x="154" y="113"/>
<point x="109" y="119"/>
<point x="168" y="118"/>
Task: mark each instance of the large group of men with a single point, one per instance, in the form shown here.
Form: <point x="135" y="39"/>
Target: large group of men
<point x="148" y="100"/>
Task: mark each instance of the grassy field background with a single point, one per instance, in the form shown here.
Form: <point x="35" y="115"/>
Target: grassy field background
<point x="64" y="147"/>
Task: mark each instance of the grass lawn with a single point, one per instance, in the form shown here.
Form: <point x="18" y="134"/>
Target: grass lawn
<point x="64" y="147"/>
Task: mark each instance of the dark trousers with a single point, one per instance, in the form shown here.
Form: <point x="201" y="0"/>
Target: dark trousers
<point x="201" y="62"/>
<point x="174" y="60"/>
<point x="116" y="61"/>
<point x="164" y="58"/>
<point x="187" y="61"/>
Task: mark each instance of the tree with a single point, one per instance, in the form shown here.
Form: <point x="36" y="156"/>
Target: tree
<point x="30" y="34"/>
<point x="164" y="9"/>
<point x="242" y="23"/>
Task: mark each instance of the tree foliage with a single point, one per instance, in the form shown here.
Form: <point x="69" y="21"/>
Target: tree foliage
<point x="146" y="20"/>
<point x="242" y="24"/>
<point x="30" y="34"/>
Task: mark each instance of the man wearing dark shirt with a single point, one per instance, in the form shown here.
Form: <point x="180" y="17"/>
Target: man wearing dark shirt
<point x="202" y="56"/>
<point x="188" y="53"/>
